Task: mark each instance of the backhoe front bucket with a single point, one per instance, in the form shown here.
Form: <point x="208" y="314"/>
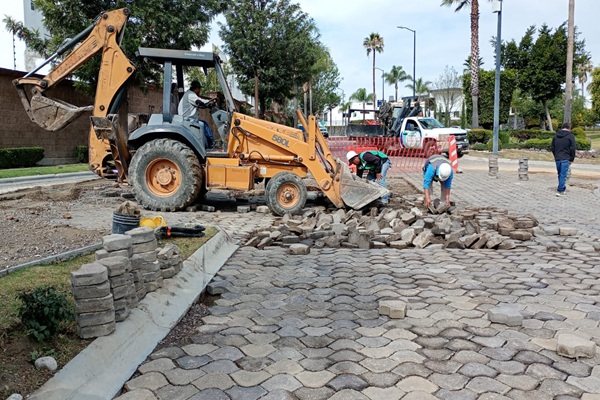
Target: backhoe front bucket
<point x="52" y="114"/>
<point x="357" y="193"/>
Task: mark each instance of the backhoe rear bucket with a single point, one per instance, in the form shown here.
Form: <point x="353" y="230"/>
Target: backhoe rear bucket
<point x="52" y="114"/>
<point x="357" y="193"/>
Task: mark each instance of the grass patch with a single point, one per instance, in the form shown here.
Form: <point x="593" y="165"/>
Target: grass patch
<point x="50" y="170"/>
<point x="18" y="350"/>
<point x="58" y="275"/>
<point x="595" y="139"/>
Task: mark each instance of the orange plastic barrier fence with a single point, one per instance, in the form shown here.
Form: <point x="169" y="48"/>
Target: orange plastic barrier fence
<point x="406" y="157"/>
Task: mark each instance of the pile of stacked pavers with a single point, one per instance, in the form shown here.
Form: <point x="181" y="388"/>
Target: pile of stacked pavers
<point x="469" y="228"/>
<point x="125" y="270"/>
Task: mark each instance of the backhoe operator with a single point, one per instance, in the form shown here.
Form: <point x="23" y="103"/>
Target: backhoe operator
<point x="188" y="109"/>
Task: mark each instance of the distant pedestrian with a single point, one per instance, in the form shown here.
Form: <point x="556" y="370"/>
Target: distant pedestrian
<point x="376" y="163"/>
<point x="437" y="168"/>
<point x="563" y="148"/>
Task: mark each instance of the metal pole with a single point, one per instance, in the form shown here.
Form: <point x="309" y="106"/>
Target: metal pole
<point x="497" y="81"/>
<point x="569" y="80"/>
<point x="382" y="88"/>
<point x="414" y="57"/>
<point x="414" y="61"/>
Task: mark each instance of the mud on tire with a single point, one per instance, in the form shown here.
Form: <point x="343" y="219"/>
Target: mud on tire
<point x="165" y="175"/>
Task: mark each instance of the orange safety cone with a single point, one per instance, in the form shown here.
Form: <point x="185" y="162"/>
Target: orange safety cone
<point x="453" y="153"/>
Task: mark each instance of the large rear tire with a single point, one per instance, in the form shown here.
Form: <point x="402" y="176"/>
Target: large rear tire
<point x="166" y="175"/>
<point x="286" y="194"/>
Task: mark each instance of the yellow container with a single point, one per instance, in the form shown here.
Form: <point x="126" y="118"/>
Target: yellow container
<point x="153" y="222"/>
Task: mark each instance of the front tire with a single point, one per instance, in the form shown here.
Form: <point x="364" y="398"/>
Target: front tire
<point x="166" y="175"/>
<point x="286" y="193"/>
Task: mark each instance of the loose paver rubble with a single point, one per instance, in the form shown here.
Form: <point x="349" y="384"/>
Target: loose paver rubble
<point x="311" y="326"/>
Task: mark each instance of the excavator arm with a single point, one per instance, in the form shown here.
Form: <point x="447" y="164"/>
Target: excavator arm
<point x="104" y="35"/>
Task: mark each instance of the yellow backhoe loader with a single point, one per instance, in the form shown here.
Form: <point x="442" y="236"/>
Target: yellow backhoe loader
<point x="166" y="161"/>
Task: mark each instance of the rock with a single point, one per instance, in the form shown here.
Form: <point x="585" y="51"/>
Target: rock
<point x="399" y="244"/>
<point x="481" y="241"/>
<point x="142" y="234"/>
<point x="339" y="228"/>
<point x="290" y="239"/>
<point x="15" y="396"/>
<point x="584" y="248"/>
<point x="334" y="241"/>
<point x="116" y="242"/>
<point x="392" y="308"/>
<point x="507" y="245"/>
<point x="67" y="216"/>
<point x="89" y="332"/>
<point x="379" y="245"/>
<point x="47" y="363"/>
<point x="387" y="231"/>
<point x="417" y="212"/>
<point x="408" y="218"/>
<point x="390" y="215"/>
<point x="243" y="209"/>
<point x="115" y="265"/>
<point x="568" y="231"/>
<point x="89" y="274"/>
<point x="361" y="240"/>
<point x="91" y="292"/>
<point x="552" y="230"/>
<point x="493" y="241"/>
<point x="524" y="223"/>
<point x="264" y="243"/>
<point x="423" y="239"/>
<point x="263" y="209"/>
<point x="408" y="235"/>
<point x="469" y="239"/>
<point x="521" y="235"/>
<point x="505" y="314"/>
<point x="208" y="208"/>
<point x="574" y="346"/>
<point x="298" y="249"/>
<point x="94" y="305"/>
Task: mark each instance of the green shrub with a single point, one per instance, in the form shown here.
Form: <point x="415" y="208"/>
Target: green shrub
<point x="514" y="145"/>
<point x="490" y="145"/>
<point x="43" y="311"/>
<point x="582" y="144"/>
<point x="82" y="154"/>
<point x="479" y="135"/>
<point x="19" y="157"/>
<point x="479" y="147"/>
<point x="579" y="133"/>
<point x="503" y="137"/>
<point x="523" y="134"/>
<point x="540" y="144"/>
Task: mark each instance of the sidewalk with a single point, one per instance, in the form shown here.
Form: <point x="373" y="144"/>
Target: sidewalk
<point x="8" y="185"/>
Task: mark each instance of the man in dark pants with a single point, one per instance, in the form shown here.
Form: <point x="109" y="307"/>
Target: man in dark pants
<point x="563" y="147"/>
<point x="376" y="163"/>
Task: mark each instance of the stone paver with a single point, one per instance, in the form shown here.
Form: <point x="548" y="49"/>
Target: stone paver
<point x="309" y="326"/>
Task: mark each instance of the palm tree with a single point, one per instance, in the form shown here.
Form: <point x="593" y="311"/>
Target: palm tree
<point x="394" y="77"/>
<point x="474" y="51"/>
<point x="583" y="71"/>
<point x="373" y="43"/>
<point x="344" y="108"/>
<point x="362" y="97"/>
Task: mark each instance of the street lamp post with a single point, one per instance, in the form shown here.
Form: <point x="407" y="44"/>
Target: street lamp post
<point x="414" y="56"/>
<point x="382" y="85"/>
<point x="497" y="9"/>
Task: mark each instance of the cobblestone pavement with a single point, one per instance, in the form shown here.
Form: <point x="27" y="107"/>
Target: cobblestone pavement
<point x="308" y="327"/>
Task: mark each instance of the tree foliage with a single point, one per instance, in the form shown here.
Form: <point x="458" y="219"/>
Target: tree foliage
<point x="394" y="77"/>
<point x="324" y="82"/>
<point x="361" y="96"/>
<point x="540" y="63"/>
<point x="448" y="91"/>
<point x="594" y="89"/>
<point x="373" y="44"/>
<point x="272" y="45"/>
<point x="170" y="24"/>
<point x="486" y="95"/>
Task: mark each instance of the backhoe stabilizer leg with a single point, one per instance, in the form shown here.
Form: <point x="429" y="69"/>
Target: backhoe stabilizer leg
<point x="107" y="128"/>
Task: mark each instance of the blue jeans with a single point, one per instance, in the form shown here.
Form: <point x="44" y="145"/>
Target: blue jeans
<point x="562" y="167"/>
<point x="384" y="169"/>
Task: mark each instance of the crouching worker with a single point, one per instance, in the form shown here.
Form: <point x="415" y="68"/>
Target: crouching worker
<point x="376" y="163"/>
<point x="437" y="168"/>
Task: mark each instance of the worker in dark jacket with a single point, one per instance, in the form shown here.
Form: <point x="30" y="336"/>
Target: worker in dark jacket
<point x="376" y="163"/>
<point x="563" y="147"/>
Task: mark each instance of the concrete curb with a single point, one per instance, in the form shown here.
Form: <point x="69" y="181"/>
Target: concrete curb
<point x="58" y="257"/>
<point x="102" y="368"/>
<point x="21" y="179"/>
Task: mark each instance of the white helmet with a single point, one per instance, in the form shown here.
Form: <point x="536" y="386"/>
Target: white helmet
<point x="351" y="154"/>
<point x="444" y="171"/>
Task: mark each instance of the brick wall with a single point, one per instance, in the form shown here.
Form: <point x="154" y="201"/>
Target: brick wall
<point x="16" y="129"/>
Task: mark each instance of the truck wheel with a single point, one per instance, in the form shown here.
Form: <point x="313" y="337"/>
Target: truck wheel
<point x="166" y="175"/>
<point x="286" y="194"/>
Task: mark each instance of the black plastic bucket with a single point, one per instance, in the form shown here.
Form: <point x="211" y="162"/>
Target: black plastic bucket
<point x="123" y="222"/>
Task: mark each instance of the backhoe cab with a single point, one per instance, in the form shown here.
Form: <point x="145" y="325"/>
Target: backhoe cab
<point x="166" y="160"/>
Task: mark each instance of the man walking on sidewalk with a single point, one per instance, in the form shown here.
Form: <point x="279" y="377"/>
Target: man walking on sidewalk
<point x="563" y="147"/>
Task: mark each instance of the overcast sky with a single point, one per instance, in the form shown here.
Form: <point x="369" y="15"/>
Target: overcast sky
<point x="443" y="36"/>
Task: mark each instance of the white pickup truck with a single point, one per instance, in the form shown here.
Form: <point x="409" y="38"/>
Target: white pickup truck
<point x="430" y="135"/>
